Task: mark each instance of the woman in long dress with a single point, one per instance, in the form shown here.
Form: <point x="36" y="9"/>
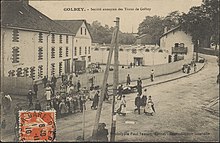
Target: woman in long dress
<point x="122" y="107"/>
<point x="150" y="107"/>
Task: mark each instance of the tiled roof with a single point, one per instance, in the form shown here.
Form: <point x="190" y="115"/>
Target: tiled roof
<point x="72" y="25"/>
<point x="16" y="14"/>
<point x="171" y="30"/>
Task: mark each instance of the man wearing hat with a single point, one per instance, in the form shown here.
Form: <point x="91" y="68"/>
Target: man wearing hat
<point x="138" y="103"/>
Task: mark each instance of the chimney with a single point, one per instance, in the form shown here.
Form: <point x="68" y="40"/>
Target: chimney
<point x="165" y="29"/>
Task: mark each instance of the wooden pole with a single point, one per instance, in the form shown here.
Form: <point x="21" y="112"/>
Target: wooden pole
<point x="98" y="113"/>
<point x="115" y="83"/>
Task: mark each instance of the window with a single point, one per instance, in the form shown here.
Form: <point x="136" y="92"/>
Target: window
<point x="26" y="72"/>
<point x="52" y="68"/>
<point x="67" y="51"/>
<point x="60" y="67"/>
<point x="40" y="71"/>
<point x="32" y="72"/>
<point x="19" y="72"/>
<point x="61" y="40"/>
<point x="52" y="38"/>
<point x="85" y="31"/>
<point x="147" y="50"/>
<point x="80" y="50"/>
<point x="108" y="49"/>
<point x="176" y="44"/>
<point x="11" y="73"/>
<point x="15" y="55"/>
<point x="75" y="51"/>
<point x="40" y="53"/>
<point x="96" y="49"/>
<point x="15" y="35"/>
<point x="85" y="50"/>
<point x="52" y="52"/>
<point x="89" y="58"/>
<point x="181" y="45"/>
<point x="121" y="49"/>
<point x="40" y="37"/>
<point x="89" y="50"/>
<point x="60" y="52"/>
<point x="67" y="39"/>
<point x="160" y="51"/>
<point x="81" y="30"/>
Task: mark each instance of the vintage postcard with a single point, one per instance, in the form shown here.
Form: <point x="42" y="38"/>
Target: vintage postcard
<point x="109" y="71"/>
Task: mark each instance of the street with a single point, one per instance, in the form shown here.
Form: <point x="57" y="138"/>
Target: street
<point x="178" y="117"/>
<point x="179" y="114"/>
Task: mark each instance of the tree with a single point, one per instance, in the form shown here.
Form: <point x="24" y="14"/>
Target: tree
<point x="152" y="26"/>
<point x="197" y="23"/>
<point x="211" y="8"/>
<point x="172" y="20"/>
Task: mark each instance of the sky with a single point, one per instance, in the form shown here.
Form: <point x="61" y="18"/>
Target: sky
<point x="131" y="13"/>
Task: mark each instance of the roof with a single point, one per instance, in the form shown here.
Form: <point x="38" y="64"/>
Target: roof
<point x="143" y="35"/>
<point x="169" y="31"/>
<point x="73" y="25"/>
<point x="15" y="14"/>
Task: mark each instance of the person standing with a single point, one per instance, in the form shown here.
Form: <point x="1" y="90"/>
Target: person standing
<point x="37" y="105"/>
<point x="139" y="86"/>
<point x="120" y="89"/>
<point x="30" y="97"/>
<point x="144" y="99"/>
<point x="152" y="75"/>
<point x="16" y="113"/>
<point x="54" y="81"/>
<point x="122" y="107"/>
<point x="195" y="68"/>
<point x="151" y="103"/>
<point x="95" y="101"/>
<point x="106" y="97"/>
<point x="128" y="80"/>
<point x="102" y="133"/>
<point x="35" y="87"/>
<point x="188" y="69"/>
<point x="78" y="86"/>
<point x="44" y="80"/>
<point x="137" y="103"/>
<point x="48" y="93"/>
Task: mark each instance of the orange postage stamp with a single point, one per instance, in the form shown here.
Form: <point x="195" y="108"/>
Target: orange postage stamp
<point x="37" y="126"/>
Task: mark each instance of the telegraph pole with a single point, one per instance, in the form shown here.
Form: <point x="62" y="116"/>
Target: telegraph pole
<point x="99" y="109"/>
<point x="115" y="83"/>
<point x="197" y="50"/>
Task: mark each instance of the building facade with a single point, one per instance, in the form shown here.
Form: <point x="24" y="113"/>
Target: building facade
<point x="82" y="41"/>
<point x="178" y="43"/>
<point x="135" y="55"/>
<point x="33" y="45"/>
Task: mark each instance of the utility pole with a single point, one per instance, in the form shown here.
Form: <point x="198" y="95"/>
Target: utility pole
<point x="197" y="50"/>
<point x="99" y="109"/>
<point x="115" y="83"/>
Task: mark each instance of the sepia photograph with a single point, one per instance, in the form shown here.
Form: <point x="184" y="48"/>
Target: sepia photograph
<point x="109" y="71"/>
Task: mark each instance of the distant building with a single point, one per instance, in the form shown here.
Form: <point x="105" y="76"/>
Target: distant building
<point x="32" y="45"/>
<point x="178" y="43"/>
<point x="137" y="55"/>
<point x="144" y="39"/>
<point x="82" y="41"/>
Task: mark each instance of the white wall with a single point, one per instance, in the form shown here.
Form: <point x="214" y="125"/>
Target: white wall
<point x="28" y="49"/>
<point x="83" y="40"/>
<point x="168" y="41"/>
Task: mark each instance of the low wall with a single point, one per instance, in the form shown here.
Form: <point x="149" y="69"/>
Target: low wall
<point x="17" y="85"/>
<point x="21" y="85"/>
<point x="143" y="72"/>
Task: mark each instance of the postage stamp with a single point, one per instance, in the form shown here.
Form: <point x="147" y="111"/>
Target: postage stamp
<point x="37" y="126"/>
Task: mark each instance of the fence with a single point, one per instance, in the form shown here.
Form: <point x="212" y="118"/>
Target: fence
<point x="17" y="85"/>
